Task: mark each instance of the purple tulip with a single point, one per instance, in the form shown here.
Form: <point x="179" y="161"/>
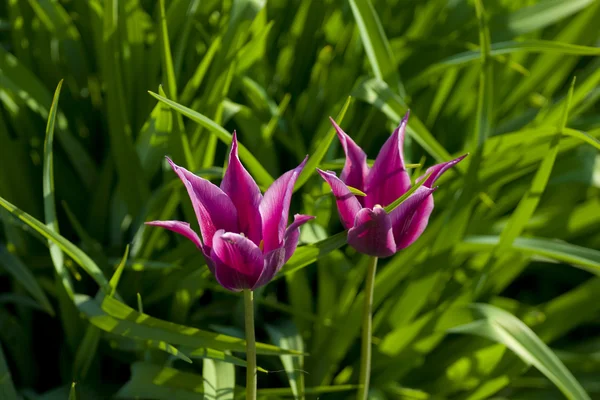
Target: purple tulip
<point x="372" y="230"/>
<point x="244" y="237"/>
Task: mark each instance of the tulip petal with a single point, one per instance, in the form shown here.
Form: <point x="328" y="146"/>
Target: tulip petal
<point x="410" y="219"/>
<point x="274" y="260"/>
<point x="347" y="203"/>
<point x="275" y="207"/>
<point x="437" y="171"/>
<point x="244" y="193"/>
<point x="238" y="261"/>
<point x="183" y="228"/>
<point x="388" y="179"/>
<point x="372" y="233"/>
<point x="292" y="234"/>
<point x="213" y="208"/>
<point x="355" y="169"/>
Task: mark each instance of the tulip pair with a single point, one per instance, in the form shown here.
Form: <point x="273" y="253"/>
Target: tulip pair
<point x="244" y="237"/>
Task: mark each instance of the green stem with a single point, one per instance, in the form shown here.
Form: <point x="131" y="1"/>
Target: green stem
<point x="367" y="323"/>
<point x="250" y="345"/>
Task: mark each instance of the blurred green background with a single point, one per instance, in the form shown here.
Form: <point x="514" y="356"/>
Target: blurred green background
<point x="516" y="225"/>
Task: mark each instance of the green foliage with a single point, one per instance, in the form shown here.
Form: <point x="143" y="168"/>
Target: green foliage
<point x="499" y="297"/>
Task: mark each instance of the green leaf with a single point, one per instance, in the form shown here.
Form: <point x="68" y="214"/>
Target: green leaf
<point x="586" y="258"/>
<point x="86" y="352"/>
<point x="49" y="202"/>
<point x="502" y="327"/>
<point x="530" y="200"/>
<point x="114" y="281"/>
<point x="14" y="266"/>
<point x="253" y="165"/>
<point x="161" y="383"/>
<point x="7" y="388"/>
<point x="378" y="94"/>
<point x="219" y="379"/>
<point x="132" y="180"/>
<point x="118" y="318"/>
<point x="485" y="108"/>
<point x="287" y="337"/>
<point x="502" y="48"/>
<point x="542" y="14"/>
<point x="376" y="44"/>
<point x="306" y="255"/>
<point x="321" y="146"/>
<point x="69" y="248"/>
<point x="73" y="395"/>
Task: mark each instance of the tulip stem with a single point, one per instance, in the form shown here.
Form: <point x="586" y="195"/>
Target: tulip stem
<point x="250" y="345"/>
<point x="367" y="326"/>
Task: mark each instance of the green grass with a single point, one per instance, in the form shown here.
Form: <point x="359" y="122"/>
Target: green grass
<point x="499" y="297"/>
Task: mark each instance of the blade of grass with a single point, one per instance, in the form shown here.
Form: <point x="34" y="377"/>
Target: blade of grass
<point x="485" y="117"/>
<point x="529" y="202"/>
<point x="49" y="203"/>
<point x="7" y="387"/>
<point x="66" y="246"/>
<point x="321" y="146"/>
<point x="259" y="173"/>
<point x="376" y="44"/>
<point x="219" y="379"/>
<point x="15" y="267"/>
<point x="502" y="327"/>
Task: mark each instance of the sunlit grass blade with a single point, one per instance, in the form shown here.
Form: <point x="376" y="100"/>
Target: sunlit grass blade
<point x="530" y="200"/>
<point x="510" y="47"/>
<point x="376" y="44"/>
<point x="379" y="95"/>
<point x="541" y="14"/>
<point x="502" y="327"/>
<point x="49" y="202"/>
<point x="484" y="118"/>
<point x="586" y="258"/>
<point x="259" y="173"/>
<point x="310" y="253"/>
<point x="116" y="317"/>
<point x="286" y="336"/>
<point x="320" y="149"/>
<point x="219" y="379"/>
<point x="67" y="247"/>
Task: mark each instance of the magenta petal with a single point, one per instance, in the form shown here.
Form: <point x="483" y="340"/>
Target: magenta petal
<point x="244" y="193"/>
<point x="388" y="178"/>
<point x="372" y="233"/>
<point x="355" y="169"/>
<point x="275" y="207"/>
<point x="213" y="208"/>
<point x="438" y="169"/>
<point x="238" y="261"/>
<point x="292" y="234"/>
<point x="274" y="260"/>
<point x="410" y="219"/>
<point x="347" y="203"/>
<point x="183" y="228"/>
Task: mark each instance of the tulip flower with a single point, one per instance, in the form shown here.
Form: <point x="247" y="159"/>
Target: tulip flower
<point x="245" y="241"/>
<point x="371" y="230"/>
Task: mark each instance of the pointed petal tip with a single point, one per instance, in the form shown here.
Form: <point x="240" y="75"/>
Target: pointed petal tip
<point x="304" y="217"/>
<point x="405" y="118"/>
<point x="174" y="166"/>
